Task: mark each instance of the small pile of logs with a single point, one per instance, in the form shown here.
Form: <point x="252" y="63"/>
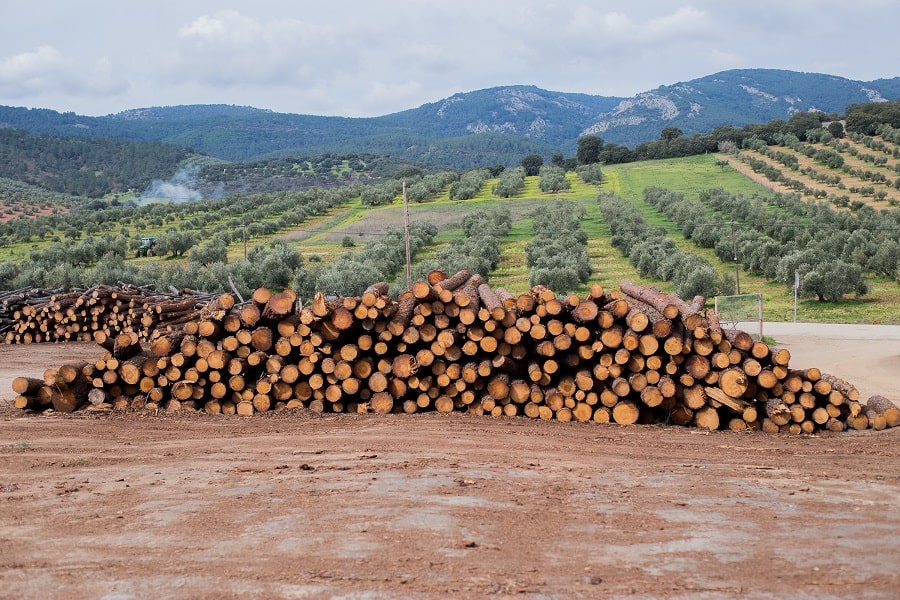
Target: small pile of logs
<point x="35" y="315"/>
<point x="635" y="355"/>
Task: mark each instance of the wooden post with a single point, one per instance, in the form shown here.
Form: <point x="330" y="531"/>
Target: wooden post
<point x="406" y="235"/>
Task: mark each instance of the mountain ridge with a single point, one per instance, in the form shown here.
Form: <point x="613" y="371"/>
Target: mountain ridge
<point x="498" y="124"/>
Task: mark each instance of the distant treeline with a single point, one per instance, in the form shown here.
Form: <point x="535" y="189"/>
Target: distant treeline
<point x="859" y="118"/>
<point x="96" y="167"/>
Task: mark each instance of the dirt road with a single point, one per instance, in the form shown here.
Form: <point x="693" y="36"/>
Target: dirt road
<point x="433" y="506"/>
<point x="866" y="355"/>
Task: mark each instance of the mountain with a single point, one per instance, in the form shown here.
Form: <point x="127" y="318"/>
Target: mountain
<point x="495" y="125"/>
<point x="737" y="97"/>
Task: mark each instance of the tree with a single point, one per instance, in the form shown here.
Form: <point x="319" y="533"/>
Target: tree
<point x="829" y="281"/>
<point x="670" y="133"/>
<point x="887" y="259"/>
<point x="553" y="179"/>
<point x="175" y="242"/>
<point x="532" y="164"/>
<point x="801" y="122"/>
<point x="512" y="181"/>
<point x="347" y="277"/>
<point x="210" y="251"/>
<point x="836" y="128"/>
<point x="558" y="160"/>
<point x="590" y="173"/>
<point x="496" y="170"/>
<point x="589" y="148"/>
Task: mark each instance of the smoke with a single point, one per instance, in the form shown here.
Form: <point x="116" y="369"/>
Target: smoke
<point x="182" y="187"/>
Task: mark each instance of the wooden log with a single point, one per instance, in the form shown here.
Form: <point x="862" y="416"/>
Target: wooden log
<point x="651" y="396"/>
<point x="451" y="283"/>
<point x="694" y="397"/>
<point x="405" y="308"/>
<point x="876" y="420"/>
<point x="734" y="382"/>
<point x="846" y="388"/>
<point x="739" y="339"/>
<point x="707" y="418"/>
<point x="883" y="406"/>
<point x="777" y="411"/>
<point x="27" y="386"/>
<point x="131" y="370"/>
<point x="737" y="405"/>
<point x="126" y="345"/>
<point x="858" y="422"/>
<point x="653" y="297"/>
<point x="625" y="412"/>
<point x="65" y="400"/>
<point x="277" y="305"/>
<point x="167" y="344"/>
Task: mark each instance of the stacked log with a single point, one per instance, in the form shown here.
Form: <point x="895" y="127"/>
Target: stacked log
<point x="34" y="315"/>
<point x="635" y="355"/>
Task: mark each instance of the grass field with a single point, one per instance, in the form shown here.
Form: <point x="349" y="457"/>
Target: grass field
<point x="322" y="238"/>
<point x="687" y="175"/>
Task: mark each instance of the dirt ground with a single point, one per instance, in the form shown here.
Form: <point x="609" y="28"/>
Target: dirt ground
<point x="432" y="506"/>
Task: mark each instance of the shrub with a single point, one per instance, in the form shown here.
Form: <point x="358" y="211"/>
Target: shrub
<point x="553" y="179"/>
<point x="512" y="182"/>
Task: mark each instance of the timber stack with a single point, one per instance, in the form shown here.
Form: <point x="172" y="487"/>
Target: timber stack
<point x="636" y="355"/>
<point x="37" y="315"/>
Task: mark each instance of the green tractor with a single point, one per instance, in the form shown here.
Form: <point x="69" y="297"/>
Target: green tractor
<point x="147" y="247"/>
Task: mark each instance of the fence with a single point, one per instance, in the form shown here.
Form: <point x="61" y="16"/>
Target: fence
<point x="742" y="311"/>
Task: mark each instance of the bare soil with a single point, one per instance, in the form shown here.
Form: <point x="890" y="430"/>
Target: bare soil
<point x="299" y="505"/>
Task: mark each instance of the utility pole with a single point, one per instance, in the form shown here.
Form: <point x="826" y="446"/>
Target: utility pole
<point x="737" y="272"/>
<point x="406" y="233"/>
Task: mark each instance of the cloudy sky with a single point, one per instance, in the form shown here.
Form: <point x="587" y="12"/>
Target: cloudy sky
<point x="373" y="57"/>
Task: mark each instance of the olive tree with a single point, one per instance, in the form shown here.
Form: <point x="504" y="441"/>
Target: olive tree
<point x="532" y="164"/>
<point x="553" y="179"/>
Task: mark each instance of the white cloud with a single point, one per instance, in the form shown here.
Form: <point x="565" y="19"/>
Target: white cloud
<point x="231" y="49"/>
<point x="363" y="58"/>
<point x="46" y="70"/>
<point x="31" y="72"/>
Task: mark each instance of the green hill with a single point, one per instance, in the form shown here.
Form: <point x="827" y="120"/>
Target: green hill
<point x="477" y="128"/>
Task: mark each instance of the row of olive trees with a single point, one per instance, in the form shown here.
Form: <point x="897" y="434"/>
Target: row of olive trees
<point x="478" y="251"/>
<point x="380" y="260"/>
<point x="828" y="264"/>
<point x="866" y="237"/>
<point x="553" y="179"/>
<point x="381" y="193"/>
<point x="657" y="256"/>
<point x="510" y="184"/>
<point x="262" y="214"/>
<point x="557" y="255"/>
<point x="274" y="264"/>
<point x="469" y="184"/>
<point x="830" y="156"/>
<point x="429" y="186"/>
<point x="101" y="258"/>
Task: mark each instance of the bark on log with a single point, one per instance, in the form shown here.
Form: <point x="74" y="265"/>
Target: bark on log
<point x="884" y="406"/>
<point x="653" y="297"/>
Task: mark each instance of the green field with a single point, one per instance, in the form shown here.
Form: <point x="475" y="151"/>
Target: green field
<point x="687" y="175"/>
<point x="325" y="237"/>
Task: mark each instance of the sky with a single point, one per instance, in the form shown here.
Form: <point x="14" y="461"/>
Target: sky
<point x="368" y="58"/>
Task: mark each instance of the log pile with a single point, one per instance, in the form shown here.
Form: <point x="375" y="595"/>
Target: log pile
<point x="636" y="355"/>
<point x="37" y="315"/>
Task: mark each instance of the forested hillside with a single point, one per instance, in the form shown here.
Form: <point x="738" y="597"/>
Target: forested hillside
<point x="85" y="167"/>
<point x="496" y="125"/>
